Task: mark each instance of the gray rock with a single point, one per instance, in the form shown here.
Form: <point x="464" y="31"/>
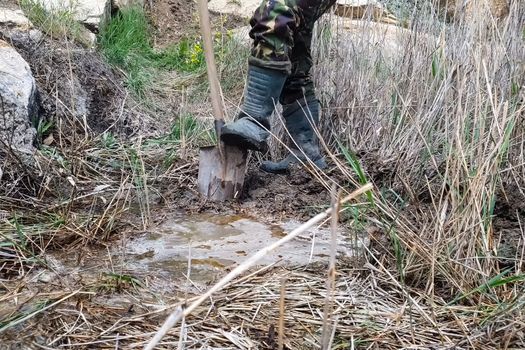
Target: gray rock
<point x="18" y="105"/>
<point x="46" y="276"/>
<point x="90" y="39"/>
<point x="90" y="12"/>
<point x="14" y="25"/>
<point x="241" y="8"/>
<point x="35" y="35"/>
<point x="14" y="18"/>
<point x="364" y="9"/>
<point x="119" y="4"/>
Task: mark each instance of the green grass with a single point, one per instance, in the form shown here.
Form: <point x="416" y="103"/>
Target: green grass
<point x="18" y="243"/>
<point x="354" y="163"/>
<point x="114" y="282"/>
<point x="499" y="280"/>
<point x="187" y="132"/>
<point x="17" y="316"/>
<point x="108" y="140"/>
<point x="185" y="127"/>
<point x="126" y="42"/>
<point x="125" y="34"/>
<point x="185" y="56"/>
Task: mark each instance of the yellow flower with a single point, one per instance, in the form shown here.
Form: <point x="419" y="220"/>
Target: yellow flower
<point x="197" y="48"/>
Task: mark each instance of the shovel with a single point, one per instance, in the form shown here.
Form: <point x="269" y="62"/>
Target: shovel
<point x="222" y="167"/>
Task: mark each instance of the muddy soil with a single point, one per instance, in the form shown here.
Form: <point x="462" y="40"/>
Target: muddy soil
<point x="509" y="221"/>
<point x="272" y="197"/>
<point x="297" y="194"/>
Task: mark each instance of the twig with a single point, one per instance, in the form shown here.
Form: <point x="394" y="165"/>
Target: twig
<point x="170" y="322"/>
<point x="183" y="322"/>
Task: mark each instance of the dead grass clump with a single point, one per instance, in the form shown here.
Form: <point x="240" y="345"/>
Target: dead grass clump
<point x="369" y="312"/>
<point x="436" y="117"/>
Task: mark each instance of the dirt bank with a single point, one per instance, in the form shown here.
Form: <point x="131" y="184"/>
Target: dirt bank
<point x="174" y="20"/>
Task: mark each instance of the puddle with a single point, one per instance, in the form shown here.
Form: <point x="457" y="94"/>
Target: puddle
<point x="213" y="244"/>
<point x="209" y="245"/>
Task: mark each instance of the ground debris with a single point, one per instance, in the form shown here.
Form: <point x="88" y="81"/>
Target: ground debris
<point x="370" y="310"/>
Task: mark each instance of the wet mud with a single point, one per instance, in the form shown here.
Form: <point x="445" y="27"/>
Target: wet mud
<point x="204" y="245"/>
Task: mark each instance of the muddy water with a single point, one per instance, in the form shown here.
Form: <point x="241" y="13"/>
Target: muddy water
<point x="210" y="245"/>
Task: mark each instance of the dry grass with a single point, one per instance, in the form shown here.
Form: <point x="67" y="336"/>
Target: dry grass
<point x="370" y="312"/>
<point x="440" y="129"/>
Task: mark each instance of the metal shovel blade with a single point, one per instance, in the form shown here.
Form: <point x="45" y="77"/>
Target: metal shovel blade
<point x="221" y="180"/>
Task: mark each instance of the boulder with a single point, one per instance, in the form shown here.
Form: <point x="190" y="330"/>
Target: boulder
<point x="119" y="4"/>
<point x="354" y="9"/>
<point x="364" y="9"/>
<point x="379" y="38"/>
<point x="242" y="35"/>
<point x="18" y="100"/>
<point x="14" y="18"/>
<point x="241" y="8"/>
<point x="89" y="12"/>
<point x="387" y="40"/>
<point x="355" y="46"/>
<point x="13" y="23"/>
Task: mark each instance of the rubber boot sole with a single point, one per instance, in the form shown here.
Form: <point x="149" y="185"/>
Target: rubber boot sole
<point x="240" y="141"/>
<point x="273" y="168"/>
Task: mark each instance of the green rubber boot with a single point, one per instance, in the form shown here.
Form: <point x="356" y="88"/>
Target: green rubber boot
<point x="250" y="130"/>
<point x="305" y="147"/>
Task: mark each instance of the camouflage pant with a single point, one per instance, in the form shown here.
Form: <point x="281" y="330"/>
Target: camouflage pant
<point x="282" y="34"/>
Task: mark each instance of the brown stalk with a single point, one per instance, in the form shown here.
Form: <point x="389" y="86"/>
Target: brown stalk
<point x="280" y="343"/>
<point x="331" y="275"/>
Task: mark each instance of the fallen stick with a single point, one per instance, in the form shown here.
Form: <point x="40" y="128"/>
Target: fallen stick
<point x="177" y="315"/>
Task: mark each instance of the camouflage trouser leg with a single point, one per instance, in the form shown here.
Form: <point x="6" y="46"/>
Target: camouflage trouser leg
<point x="282" y="34"/>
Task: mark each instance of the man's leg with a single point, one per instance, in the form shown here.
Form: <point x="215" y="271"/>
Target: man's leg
<point x="300" y="105"/>
<point x="273" y="25"/>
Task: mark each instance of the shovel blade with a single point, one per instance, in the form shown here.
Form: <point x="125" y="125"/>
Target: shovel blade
<point x="218" y="181"/>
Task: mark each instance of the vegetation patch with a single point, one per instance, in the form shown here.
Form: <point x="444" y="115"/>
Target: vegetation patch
<point x="126" y="42"/>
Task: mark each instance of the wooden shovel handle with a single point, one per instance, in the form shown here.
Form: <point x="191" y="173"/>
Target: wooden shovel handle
<point x="215" y="88"/>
